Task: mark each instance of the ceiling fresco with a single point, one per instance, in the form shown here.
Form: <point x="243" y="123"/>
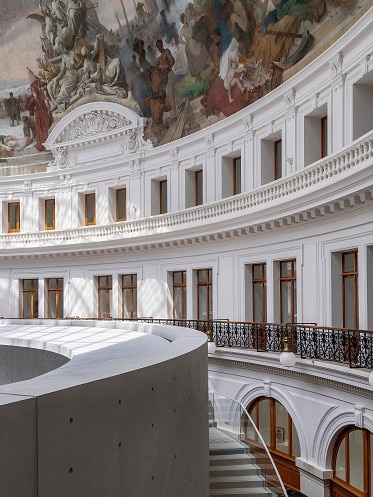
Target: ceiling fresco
<point x="181" y="65"/>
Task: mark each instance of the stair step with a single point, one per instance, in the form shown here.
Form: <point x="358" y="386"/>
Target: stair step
<point x="234" y="470"/>
<point x="231" y="459"/>
<point x="250" y="492"/>
<point x="255" y="481"/>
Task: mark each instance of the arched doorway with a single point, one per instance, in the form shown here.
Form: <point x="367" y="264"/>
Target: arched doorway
<point x="279" y="434"/>
<point x="353" y="464"/>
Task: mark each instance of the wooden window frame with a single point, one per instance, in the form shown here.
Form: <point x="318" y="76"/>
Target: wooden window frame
<point x="87" y="198"/>
<point x="209" y="296"/>
<point x="262" y="283"/>
<point x="278" y="159"/>
<point x="182" y="286"/>
<point x="198" y="187"/>
<point x="293" y="280"/>
<point x="34" y="291"/>
<point x="104" y="285"/>
<point x="58" y="291"/>
<point x="17" y="216"/>
<point x="132" y="289"/>
<point x="118" y="192"/>
<point x="47" y="202"/>
<point x="354" y="274"/>
<point x="367" y="476"/>
<point x="237" y="187"/>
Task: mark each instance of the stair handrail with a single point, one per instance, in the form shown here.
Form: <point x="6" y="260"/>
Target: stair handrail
<point x="257" y="432"/>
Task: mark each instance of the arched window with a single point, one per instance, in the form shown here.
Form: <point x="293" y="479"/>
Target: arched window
<point x="278" y="431"/>
<point x="353" y="464"/>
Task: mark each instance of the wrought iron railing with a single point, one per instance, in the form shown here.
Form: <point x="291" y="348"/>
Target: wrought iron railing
<point x="308" y="341"/>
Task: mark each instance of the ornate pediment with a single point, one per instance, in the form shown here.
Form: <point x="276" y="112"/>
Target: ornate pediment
<point x="92" y="127"/>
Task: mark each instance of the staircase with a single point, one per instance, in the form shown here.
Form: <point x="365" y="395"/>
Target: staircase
<point x="233" y="470"/>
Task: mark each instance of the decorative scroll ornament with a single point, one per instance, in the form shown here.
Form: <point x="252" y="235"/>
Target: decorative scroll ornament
<point x="61" y="159"/>
<point x="95" y="123"/>
<point x="130" y="142"/>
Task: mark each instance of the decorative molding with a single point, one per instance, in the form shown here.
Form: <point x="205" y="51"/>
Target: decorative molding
<point x="93" y="124"/>
<point x="289" y="98"/>
<point x="335" y="64"/>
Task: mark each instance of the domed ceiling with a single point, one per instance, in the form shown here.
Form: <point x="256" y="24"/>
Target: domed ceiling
<point x="183" y="65"/>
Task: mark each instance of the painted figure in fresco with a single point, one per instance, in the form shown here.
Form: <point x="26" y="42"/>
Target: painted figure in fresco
<point x="41" y="114"/>
<point x="50" y="23"/>
<point x="157" y="101"/>
<point x="197" y="56"/>
<point x="232" y="77"/>
<point x="63" y="87"/>
<point x="75" y="18"/>
<point x="29" y="129"/>
<point x="12" y="109"/>
<point x="165" y="62"/>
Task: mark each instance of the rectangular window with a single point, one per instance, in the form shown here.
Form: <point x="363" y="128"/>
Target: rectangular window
<point x="350" y="290"/>
<point x="198" y="187"/>
<point x="179" y="295"/>
<point x="13" y="217"/>
<point x="237" y="175"/>
<point x="259" y="293"/>
<point x="129" y="296"/>
<point x="104" y="289"/>
<point x="49" y="214"/>
<point x="54" y="290"/>
<point x="278" y="159"/>
<point x="90" y="209"/>
<point x="30" y="299"/>
<point x="324" y="136"/>
<point x="204" y="294"/>
<point x="121" y="204"/>
<point x="163" y="196"/>
<point x="288" y="291"/>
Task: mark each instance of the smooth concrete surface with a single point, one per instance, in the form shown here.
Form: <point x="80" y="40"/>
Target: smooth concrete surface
<point x="129" y="418"/>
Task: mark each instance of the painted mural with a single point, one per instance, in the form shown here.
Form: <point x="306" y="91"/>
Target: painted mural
<point x="182" y="65"/>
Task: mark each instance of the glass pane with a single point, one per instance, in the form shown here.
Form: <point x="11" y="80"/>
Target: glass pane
<point x="202" y="276"/>
<point x="127" y="304"/>
<point x="121" y="204"/>
<point x="49" y="213"/>
<point x="237" y="176"/>
<point x="286" y="316"/>
<point x="104" y="303"/>
<point x="28" y="284"/>
<point x="286" y="269"/>
<point x="259" y="296"/>
<point x="356" y="459"/>
<point x="282" y="432"/>
<point x="28" y="305"/>
<point x="178" y="277"/>
<point x="199" y="190"/>
<point x="258" y="271"/>
<point x="340" y="464"/>
<point x="295" y="450"/>
<point x="250" y="431"/>
<point x="202" y="301"/>
<point x="14" y="216"/>
<point x="349" y="262"/>
<point x="349" y="302"/>
<point x="178" y="296"/>
<point x="127" y="279"/>
<point x="264" y="420"/>
<point x="163" y="194"/>
<point x="90" y="208"/>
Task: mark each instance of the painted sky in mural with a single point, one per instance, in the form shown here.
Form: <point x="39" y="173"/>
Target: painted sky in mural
<point x="181" y="65"/>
